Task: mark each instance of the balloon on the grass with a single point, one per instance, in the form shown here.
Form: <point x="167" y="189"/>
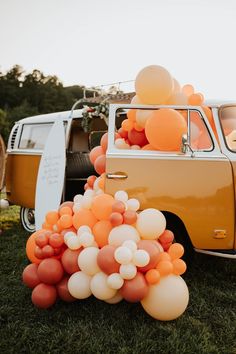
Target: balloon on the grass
<point x="100" y="288"/>
<point x="79" y="285"/>
<point x="30" y="276"/>
<point x="44" y="295"/>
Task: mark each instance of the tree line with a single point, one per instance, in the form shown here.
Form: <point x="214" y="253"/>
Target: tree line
<point x="23" y="95"/>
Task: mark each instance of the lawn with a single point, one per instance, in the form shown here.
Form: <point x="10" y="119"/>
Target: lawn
<point x="92" y="326"/>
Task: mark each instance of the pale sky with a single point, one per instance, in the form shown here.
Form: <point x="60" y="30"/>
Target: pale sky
<point x="95" y="42"/>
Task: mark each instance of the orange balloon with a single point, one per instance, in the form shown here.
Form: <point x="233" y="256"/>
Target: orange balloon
<point x="164" y="256"/>
<point x="130" y="217"/>
<point x="84" y="217"/>
<point x="188" y="90"/>
<point x="138" y="127"/>
<point x="30" y="247"/>
<point x="176" y="251"/>
<point x="131" y="114"/>
<point x="101" y="232"/>
<point x="101" y="183"/>
<point x="52" y="217"/>
<point x="102" y="206"/>
<point x="91" y="180"/>
<point x="127" y="125"/>
<point x="65" y="210"/>
<point x="104" y="142"/>
<point x="179" y="266"/>
<point x="152" y="276"/>
<point x="165" y="128"/>
<point x="195" y="99"/>
<point x="66" y="221"/>
<point x="154" y="84"/>
<point x="46" y="226"/>
<point x="66" y="204"/>
<point x="100" y="164"/>
<point x="106" y="260"/>
<point x="95" y="152"/>
<point x="165" y="268"/>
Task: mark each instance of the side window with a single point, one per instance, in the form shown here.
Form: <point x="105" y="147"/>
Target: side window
<point x="34" y="136"/>
<point x="199" y="136"/>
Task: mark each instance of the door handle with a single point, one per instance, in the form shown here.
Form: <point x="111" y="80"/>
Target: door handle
<point x="117" y="175"/>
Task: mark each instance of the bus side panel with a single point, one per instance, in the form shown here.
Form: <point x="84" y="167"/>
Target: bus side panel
<point x="21" y="178"/>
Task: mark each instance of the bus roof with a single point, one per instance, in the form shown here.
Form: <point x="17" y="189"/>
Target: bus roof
<point x="51" y="117"/>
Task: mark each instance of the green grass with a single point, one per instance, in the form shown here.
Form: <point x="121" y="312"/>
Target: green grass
<point x="92" y="326"/>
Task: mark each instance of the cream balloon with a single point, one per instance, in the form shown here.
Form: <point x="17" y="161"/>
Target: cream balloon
<point x="168" y="299"/>
<point x="128" y="271"/>
<point x="121" y="196"/>
<point x="68" y="235"/>
<point x="131" y="245"/>
<point x="123" y="255"/>
<point x="141" y="258"/>
<point x="115" y="299"/>
<point x="151" y="223"/>
<point x="121" y="233"/>
<point x="73" y="243"/>
<point x="115" y="281"/>
<point x="133" y="204"/>
<point x="86" y="239"/>
<point x="79" y="285"/>
<point x="87" y="202"/>
<point x="135" y="100"/>
<point x="78" y="198"/>
<point x="100" y="288"/>
<point x="142" y="116"/>
<point x="83" y="229"/>
<point x="87" y="261"/>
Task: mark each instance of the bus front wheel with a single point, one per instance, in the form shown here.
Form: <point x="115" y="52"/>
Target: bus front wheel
<point x="27" y="219"/>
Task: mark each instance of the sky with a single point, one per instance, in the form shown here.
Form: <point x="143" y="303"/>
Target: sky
<point x="99" y="42"/>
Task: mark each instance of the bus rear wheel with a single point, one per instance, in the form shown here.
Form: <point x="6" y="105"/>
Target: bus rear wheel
<point x="27" y="219"/>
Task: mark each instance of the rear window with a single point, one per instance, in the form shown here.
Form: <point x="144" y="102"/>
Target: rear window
<point x="34" y="136"/>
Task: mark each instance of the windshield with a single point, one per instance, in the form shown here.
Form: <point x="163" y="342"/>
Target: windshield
<point x="228" y="123"/>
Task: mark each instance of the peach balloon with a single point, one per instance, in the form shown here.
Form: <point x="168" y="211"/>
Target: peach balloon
<point x="177" y="87"/>
<point x="102" y="206"/>
<point x="127" y="125"/>
<point x="104" y="141"/>
<point x="178" y="98"/>
<point x="131" y="114"/>
<point x="152" y="276"/>
<point x="176" y="251"/>
<point x="164" y="130"/>
<point x="188" y="90"/>
<point x="165" y="268"/>
<point x="101" y="232"/>
<point x="95" y="153"/>
<point x="52" y="217"/>
<point x="142" y="116"/>
<point x="100" y="164"/>
<point x="154" y="84"/>
<point x="153" y="252"/>
<point x="135" y="100"/>
<point x="84" y="217"/>
<point x="195" y="99"/>
<point x="179" y="266"/>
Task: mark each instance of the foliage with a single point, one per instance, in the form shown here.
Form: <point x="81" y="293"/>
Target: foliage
<point x="92" y="326"/>
<point x="89" y="113"/>
<point x="23" y="95"/>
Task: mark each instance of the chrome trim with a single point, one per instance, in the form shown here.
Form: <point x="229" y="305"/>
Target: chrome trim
<point x="216" y="254"/>
<point x="116" y="176"/>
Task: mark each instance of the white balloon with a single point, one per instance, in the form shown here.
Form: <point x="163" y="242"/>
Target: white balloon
<point x="100" y="288"/>
<point x="83" y="229"/>
<point x="128" y="271"/>
<point x="87" y="261"/>
<point x="68" y="235"/>
<point x="76" y="207"/>
<point x="131" y="245"/>
<point x="121" y="196"/>
<point x="4" y="204"/>
<point x="121" y="233"/>
<point x="115" y="281"/>
<point x="78" y="198"/>
<point x="86" y="239"/>
<point x="89" y="193"/>
<point x="74" y="243"/>
<point x="142" y="116"/>
<point x="141" y="258"/>
<point x="135" y="147"/>
<point x="133" y="204"/>
<point x="87" y="202"/>
<point x="79" y="285"/>
<point x="123" y="255"/>
<point x="99" y="191"/>
<point x="95" y="185"/>
<point x="151" y="223"/>
<point x="168" y="299"/>
<point x="115" y="299"/>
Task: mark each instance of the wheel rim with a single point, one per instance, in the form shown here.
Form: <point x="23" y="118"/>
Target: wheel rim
<point x="27" y="219"/>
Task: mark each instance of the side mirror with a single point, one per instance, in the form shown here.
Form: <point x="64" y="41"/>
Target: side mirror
<point x="185" y="147"/>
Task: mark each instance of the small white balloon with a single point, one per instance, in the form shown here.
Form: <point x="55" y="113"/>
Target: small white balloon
<point x="89" y="193"/>
<point x="123" y="255"/>
<point x="115" y="281"/>
<point x="135" y="147"/>
<point x="83" y="229"/>
<point x="131" y="245"/>
<point x="121" y="196"/>
<point x="87" y="260"/>
<point x="86" y="239"/>
<point x="68" y="235"/>
<point x="99" y="191"/>
<point x="141" y="258"/>
<point x="87" y="202"/>
<point x="100" y="288"/>
<point x="4" y="204"/>
<point x="133" y="204"/>
<point x="79" y="285"/>
<point x="76" y="207"/>
<point x="128" y="271"/>
<point x="74" y="243"/>
<point x="78" y="198"/>
<point x="96" y="184"/>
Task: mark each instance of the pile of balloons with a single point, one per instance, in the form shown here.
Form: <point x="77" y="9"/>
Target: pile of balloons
<point x="102" y="245"/>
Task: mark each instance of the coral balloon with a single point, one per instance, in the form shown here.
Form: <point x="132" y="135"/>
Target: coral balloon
<point x="116" y="219"/>
<point x="50" y="271"/>
<point x="65" y="210"/>
<point x="79" y="285"/>
<point x="165" y="128"/>
<point x="154" y="84"/>
<point x="123" y="133"/>
<point x="104" y="142"/>
<point x="118" y="207"/>
<point x="168" y="299"/>
<point x="69" y="260"/>
<point x="102" y="206"/>
<point x="62" y="290"/>
<point x="95" y="153"/>
<point x="136" y="289"/>
<point x="91" y="180"/>
<point x="66" y="221"/>
<point x="106" y="260"/>
<point x="84" y="217"/>
<point x="66" y="204"/>
<point x="100" y="164"/>
<point x="153" y="251"/>
<point x="151" y="223"/>
<point x="30" y="276"/>
<point x="130" y="217"/>
<point x="44" y="296"/>
<point x="101" y="232"/>
<point x="137" y="138"/>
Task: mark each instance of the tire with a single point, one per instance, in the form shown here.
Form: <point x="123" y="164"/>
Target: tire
<point x="27" y="219"/>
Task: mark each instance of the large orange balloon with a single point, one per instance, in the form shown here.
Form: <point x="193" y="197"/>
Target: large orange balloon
<point x="165" y="128"/>
<point x="84" y="217"/>
<point x="101" y="232"/>
<point x="154" y="84"/>
<point x="31" y="245"/>
<point x="102" y="206"/>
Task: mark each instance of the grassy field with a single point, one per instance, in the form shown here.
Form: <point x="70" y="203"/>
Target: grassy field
<point x="92" y="326"/>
